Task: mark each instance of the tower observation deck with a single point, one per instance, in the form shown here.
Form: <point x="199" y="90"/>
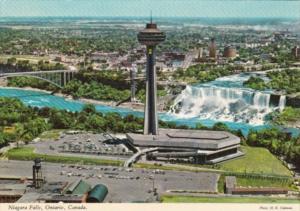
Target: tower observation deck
<point x="151" y="36"/>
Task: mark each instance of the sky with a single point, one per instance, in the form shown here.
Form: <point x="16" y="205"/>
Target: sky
<point x="142" y="8"/>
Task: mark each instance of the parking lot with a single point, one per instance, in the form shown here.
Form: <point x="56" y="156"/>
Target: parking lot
<point x="124" y="184"/>
<point x="84" y="144"/>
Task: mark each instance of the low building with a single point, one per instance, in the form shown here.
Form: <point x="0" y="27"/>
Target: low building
<point x="232" y="188"/>
<point x="26" y="190"/>
<point x="296" y="64"/>
<point x="296" y="52"/>
<point x="230" y="184"/>
<point x="11" y="192"/>
<point x="212" y="49"/>
<point x="97" y="194"/>
<point x="196" y="146"/>
<point x="78" y="191"/>
<point x="230" y="52"/>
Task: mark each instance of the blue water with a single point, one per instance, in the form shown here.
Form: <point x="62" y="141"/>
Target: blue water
<point x="43" y="99"/>
<point x="233" y="81"/>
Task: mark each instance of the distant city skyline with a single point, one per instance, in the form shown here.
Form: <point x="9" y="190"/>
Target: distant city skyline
<point x="142" y="8"/>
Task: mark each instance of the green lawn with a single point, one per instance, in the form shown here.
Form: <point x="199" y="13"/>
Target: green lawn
<point x="27" y="153"/>
<point x="31" y="58"/>
<point x="174" y="168"/>
<point x="51" y="134"/>
<point x="260" y="182"/>
<point x="197" y="199"/>
<point x="221" y="184"/>
<point x="256" y="160"/>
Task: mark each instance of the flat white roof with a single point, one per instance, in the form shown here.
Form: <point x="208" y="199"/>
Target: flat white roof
<point x="179" y="138"/>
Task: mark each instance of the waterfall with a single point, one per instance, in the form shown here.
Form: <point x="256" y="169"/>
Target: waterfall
<point x="282" y="102"/>
<point x="224" y="104"/>
<point x="261" y="100"/>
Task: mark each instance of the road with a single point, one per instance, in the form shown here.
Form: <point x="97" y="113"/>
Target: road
<point x="134" y="158"/>
<point x="188" y="60"/>
<point x="274" y="69"/>
<point x="17" y="73"/>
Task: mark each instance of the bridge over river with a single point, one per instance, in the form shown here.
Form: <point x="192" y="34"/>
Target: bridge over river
<point x="58" y="78"/>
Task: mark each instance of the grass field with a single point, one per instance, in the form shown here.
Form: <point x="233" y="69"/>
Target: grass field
<point x="174" y="168"/>
<point x="221" y="184"/>
<point x="27" y="153"/>
<point x="259" y="182"/>
<point x="256" y="160"/>
<point x="31" y="58"/>
<point x="51" y="134"/>
<point x="196" y="199"/>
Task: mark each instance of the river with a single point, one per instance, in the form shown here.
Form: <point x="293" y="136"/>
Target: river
<point x="222" y="100"/>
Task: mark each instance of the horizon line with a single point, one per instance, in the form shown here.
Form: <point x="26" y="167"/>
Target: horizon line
<point x="147" y="17"/>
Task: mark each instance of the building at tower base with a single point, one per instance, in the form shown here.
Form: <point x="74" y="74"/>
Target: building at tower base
<point x="194" y="146"/>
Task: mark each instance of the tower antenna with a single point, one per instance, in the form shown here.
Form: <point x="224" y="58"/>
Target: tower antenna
<point x="150" y="16"/>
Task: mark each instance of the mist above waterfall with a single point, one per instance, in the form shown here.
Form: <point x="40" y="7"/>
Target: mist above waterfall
<point x="225" y="100"/>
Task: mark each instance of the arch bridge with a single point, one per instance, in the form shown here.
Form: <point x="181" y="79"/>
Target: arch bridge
<point x="57" y="78"/>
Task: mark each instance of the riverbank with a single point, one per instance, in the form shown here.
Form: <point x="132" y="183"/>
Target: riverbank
<point x="288" y="117"/>
<point x="293" y="125"/>
<point x="128" y="105"/>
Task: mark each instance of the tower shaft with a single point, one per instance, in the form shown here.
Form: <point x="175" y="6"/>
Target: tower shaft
<point x="151" y="119"/>
<point x="151" y="36"/>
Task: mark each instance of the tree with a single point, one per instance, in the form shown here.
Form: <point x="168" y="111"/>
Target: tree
<point x="199" y="126"/>
<point x="11" y="61"/>
<point x="89" y="109"/>
<point x="3" y="140"/>
<point x="95" y="122"/>
<point x="34" y="127"/>
<point x="61" y="120"/>
<point x="221" y="126"/>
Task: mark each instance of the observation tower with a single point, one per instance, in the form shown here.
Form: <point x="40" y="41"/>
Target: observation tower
<point x="151" y="36"/>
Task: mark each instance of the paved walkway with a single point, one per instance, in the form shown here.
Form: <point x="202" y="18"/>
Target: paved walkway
<point x="137" y="155"/>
